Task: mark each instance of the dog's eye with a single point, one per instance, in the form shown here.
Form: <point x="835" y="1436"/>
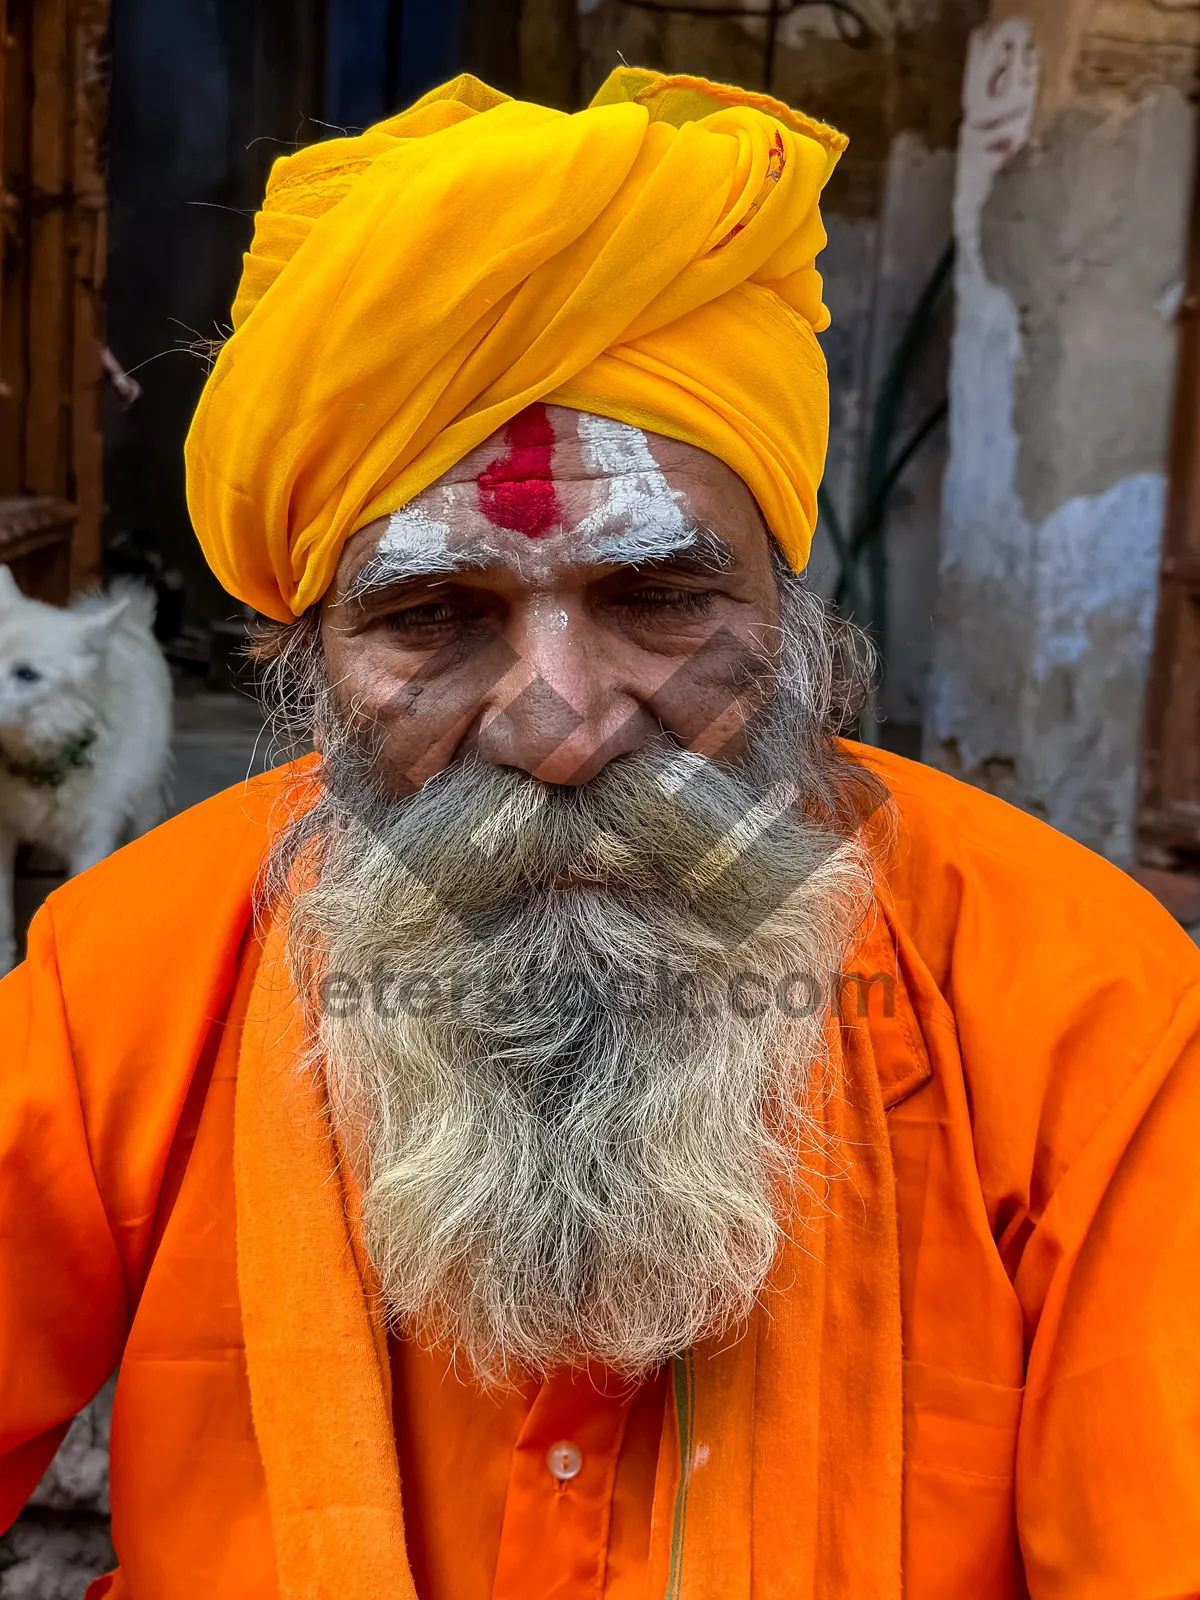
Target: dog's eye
<point x="24" y="673"/>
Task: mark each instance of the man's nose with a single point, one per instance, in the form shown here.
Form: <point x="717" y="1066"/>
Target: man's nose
<point x="565" y="710"/>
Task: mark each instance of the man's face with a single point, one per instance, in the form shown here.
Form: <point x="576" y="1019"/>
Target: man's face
<point x="576" y="1139"/>
<point x="561" y="597"/>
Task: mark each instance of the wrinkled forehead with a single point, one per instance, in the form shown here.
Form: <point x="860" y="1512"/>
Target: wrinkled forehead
<point x="554" y="441"/>
<point x="556" y="486"/>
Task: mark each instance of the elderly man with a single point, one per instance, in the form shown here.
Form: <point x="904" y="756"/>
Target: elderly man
<point x="590" y="1131"/>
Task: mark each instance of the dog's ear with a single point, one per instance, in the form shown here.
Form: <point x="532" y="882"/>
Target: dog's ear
<point x="99" y="621"/>
<point x="9" y="593"/>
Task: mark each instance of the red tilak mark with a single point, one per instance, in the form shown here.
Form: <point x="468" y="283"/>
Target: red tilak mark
<point x="517" y="491"/>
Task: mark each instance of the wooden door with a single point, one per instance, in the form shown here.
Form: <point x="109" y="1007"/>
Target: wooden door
<point x="53" y="99"/>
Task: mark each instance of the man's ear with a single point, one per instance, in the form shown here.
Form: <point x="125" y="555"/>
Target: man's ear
<point x="10" y="595"/>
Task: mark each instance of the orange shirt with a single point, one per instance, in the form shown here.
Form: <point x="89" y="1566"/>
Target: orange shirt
<point x="1042" y="1078"/>
<point x="493" y="1509"/>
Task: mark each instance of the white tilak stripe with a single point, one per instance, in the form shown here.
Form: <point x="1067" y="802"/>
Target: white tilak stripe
<point x="413" y="536"/>
<point x="639" y="517"/>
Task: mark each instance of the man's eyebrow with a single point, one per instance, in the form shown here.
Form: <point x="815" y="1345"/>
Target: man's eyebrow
<point x="697" y="550"/>
<point x="387" y="569"/>
<point x="700" y="550"/>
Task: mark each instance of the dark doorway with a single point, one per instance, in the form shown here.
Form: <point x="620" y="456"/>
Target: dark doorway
<point x="205" y="94"/>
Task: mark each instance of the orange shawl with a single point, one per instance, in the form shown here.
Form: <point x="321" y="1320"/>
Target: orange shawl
<point x="787" y="1476"/>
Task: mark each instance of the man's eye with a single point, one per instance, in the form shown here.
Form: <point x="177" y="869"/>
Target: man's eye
<point x="434" y="614"/>
<point x="683" y="602"/>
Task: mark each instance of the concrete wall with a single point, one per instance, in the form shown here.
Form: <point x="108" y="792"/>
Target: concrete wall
<point x="1073" y="191"/>
<point x="888" y="214"/>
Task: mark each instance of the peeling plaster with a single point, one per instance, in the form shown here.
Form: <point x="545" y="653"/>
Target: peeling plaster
<point x="1057" y="33"/>
<point x="820" y="22"/>
<point x="1094" y="603"/>
<point x="1086" y="231"/>
<point x="986" y="557"/>
<point x="1045" y="620"/>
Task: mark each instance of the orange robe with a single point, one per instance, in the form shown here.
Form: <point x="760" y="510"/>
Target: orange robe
<point x="1042" y="1113"/>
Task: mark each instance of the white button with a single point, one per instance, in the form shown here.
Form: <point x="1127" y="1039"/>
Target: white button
<point x="564" y="1460"/>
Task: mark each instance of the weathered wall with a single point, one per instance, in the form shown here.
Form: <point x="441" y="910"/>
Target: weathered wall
<point x="887" y="212"/>
<point x="1073" y="190"/>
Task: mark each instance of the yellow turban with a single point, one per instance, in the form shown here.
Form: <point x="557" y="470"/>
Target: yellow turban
<point x="409" y="291"/>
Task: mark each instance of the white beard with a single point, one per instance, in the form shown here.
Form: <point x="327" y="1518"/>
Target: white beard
<point x="563" y="1160"/>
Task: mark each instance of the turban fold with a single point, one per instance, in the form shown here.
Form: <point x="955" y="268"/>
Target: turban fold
<point x="410" y="290"/>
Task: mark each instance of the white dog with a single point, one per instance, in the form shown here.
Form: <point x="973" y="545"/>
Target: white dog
<point x="85" y="729"/>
